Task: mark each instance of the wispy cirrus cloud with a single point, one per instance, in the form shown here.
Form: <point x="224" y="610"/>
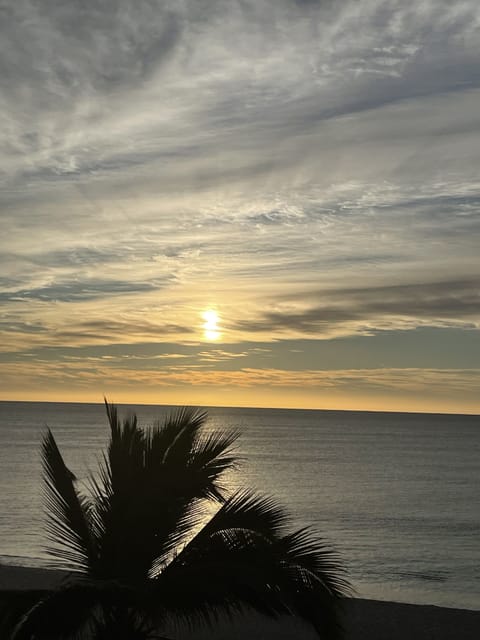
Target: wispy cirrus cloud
<point x="395" y="306"/>
<point x="254" y="95"/>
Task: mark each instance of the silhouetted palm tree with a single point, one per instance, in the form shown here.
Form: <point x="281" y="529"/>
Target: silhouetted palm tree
<point x="142" y="556"/>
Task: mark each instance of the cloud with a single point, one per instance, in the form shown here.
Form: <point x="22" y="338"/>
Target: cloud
<point x="90" y="375"/>
<point x="219" y="355"/>
<point x="308" y="168"/>
<point x="86" y="290"/>
<point x="105" y="331"/>
<point x="294" y="66"/>
<point x="393" y="306"/>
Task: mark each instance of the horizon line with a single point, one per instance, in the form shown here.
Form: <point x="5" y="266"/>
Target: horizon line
<point x="211" y="406"/>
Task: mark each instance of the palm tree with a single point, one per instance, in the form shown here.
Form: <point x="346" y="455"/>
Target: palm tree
<point x="141" y="557"/>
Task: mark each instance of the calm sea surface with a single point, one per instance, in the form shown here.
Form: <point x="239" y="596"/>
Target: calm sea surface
<point x="398" y="494"/>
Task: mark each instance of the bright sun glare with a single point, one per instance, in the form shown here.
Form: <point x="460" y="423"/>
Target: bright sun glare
<point x="210" y="325"/>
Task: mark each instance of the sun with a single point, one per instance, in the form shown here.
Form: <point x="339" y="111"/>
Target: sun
<point x="210" y="325"/>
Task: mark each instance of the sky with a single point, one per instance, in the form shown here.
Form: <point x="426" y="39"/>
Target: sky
<point x="241" y="202"/>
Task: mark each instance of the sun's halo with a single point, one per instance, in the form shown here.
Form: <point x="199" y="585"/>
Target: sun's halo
<point x="210" y="325"/>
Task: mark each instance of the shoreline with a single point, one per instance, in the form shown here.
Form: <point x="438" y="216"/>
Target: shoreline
<point x="363" y="619"/>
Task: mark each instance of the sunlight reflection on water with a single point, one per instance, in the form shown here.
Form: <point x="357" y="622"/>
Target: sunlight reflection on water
<point x="396" y="493"/>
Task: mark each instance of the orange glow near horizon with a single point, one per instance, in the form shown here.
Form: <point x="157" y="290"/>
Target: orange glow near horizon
<point x="254" y="398"/>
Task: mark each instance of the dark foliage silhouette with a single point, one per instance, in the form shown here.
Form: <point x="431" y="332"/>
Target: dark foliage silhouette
<point x="142" y="555"/>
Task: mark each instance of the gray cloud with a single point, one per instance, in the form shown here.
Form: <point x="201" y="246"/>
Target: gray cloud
<point x="105" y="331"/>
<point x="79" y="66"/>
<point x="434" y="304"/>
<point x="77" y="291"/>
<point x="21" y="327"/>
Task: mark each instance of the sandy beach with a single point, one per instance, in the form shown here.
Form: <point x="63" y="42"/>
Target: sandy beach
<point x="364" y="619"/>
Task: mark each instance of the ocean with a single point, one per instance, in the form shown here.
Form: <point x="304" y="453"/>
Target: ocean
<point x="397" y="494"/>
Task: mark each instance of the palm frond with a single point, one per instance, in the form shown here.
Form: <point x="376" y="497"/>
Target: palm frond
<point x="211" y="456"/>
<point x="243" y="559"/>
<point x="116" y="493"/>
<point x="147" y="494"/>
<point x="231" y="572"/>
<point x="172" y="442"/>
<point x="68" y="526"/>
<point x="182" y="426"/>
<point x="187" y="476"/>
<point x="240" y="570"/>
<point x="182" y="489"/>
<point x="243" y="510"/>
<point x="151" y="486"/>
<point x="307" y="550"/>
<point x="317" y="579"/>
<point x="125" y="455"/>
<point x="247" y="510"/>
